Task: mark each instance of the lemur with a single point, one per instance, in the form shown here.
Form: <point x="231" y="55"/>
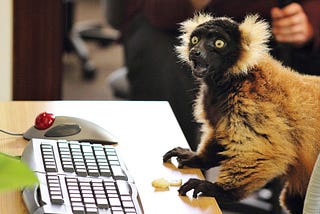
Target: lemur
<point x="260" y="120"/>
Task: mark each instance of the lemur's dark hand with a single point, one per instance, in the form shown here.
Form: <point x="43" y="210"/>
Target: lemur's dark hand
<point x="185" y="157"/>
<point x="206" y="188"/>
<point x="200" y="187"/>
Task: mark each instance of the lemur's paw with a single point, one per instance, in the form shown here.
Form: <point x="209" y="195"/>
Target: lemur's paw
<point x="200" y="188"/>
<point x="184" y="156"/>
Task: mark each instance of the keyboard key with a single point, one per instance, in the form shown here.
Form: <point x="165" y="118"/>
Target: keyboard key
<point x="82" y="188"/>
<point x="113" y="158"/>
<point x="129" y="210"/>
<point x="117" y="210"/>
<point x="105" y="172"/>
<point x="53" y="184"/>
<point x="96" y="183"/>
<point x="124" y="188"/>
<point x="97" y="147"/>
<point x="64" y="152"/>
<point x="114" y="163"/>
<point x="87" y="149"/>
<point x="77" y="204"/>
<point x="91" y="210"/>
<point x="50" y="160"/>
<point x="89" y="157"/>
<point x="68" y="168"/>
<point x="100" y="153"/>
<point x="66" y="158"/>
<point x="91" y="164"/>
<point x="76" y="191"/>
<point x="127" y="204"/>
<point x="102" y="203"/>
<point x="115" y="202"/>
<point x="78" y="210"/>
<point x="55" y="189"/>
<point x="87" y="195"/>
<point x="75" y="188"/>
<point x="111" y="191"/>
<point x="77" y="158"/>
<point x="118" y="173"/>
<point x="109" y="185"/>
<point x="113" y="195"/>
<point x="86" y="191"/>
<point x="76" y="199"/>
<point x="75" y="195"/>
<point x="89" y="200"/>
<point x="100" y="195"/>
<point x="98" y="190"/>
<point x="91" y="205"/>
<point x="103" y="164"/>
<point x="50" y="168"/>
<point x="126" y="197"/>
<point x="75" y="146"/>
<point x="50" y="163"/>
<point x="57" y="199"/>
<point x="63" y="144"/>
<point x="93" y="172"/>
<point x="93" y="167"/>
<point x="47" y="150"/>
<point x="81" y="172"/>
<point x="79" y="166"/>
<point x="90" y="161"/>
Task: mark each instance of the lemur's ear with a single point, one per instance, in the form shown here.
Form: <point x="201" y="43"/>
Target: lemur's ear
<point x="255" y="34"/>
<point x="186" y="28"/>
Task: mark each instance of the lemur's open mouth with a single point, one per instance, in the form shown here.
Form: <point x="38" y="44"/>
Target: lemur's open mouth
<point x="199" y="70"/>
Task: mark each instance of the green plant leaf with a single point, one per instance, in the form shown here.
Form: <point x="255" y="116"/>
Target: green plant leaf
<point x="14" y="174"/>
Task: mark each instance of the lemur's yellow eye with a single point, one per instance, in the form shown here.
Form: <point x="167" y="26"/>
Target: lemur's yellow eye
<point x="194" y="40"/>
<point x="219" y="43"/>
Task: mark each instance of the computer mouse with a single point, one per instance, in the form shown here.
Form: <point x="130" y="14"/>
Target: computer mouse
<point x="48" y="126"/>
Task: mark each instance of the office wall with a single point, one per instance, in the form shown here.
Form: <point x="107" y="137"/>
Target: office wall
<point x="6" y="50"/>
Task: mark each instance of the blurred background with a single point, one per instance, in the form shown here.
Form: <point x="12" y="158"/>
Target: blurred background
<point x="105" y="57"/>
<point x="36" y="61"/>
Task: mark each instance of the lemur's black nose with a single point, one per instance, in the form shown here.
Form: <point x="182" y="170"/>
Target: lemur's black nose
<point x="197" y="57"/>
<point x="194" y="53"/>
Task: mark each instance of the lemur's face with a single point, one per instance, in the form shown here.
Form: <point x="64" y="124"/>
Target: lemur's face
<point x="220" y="47"/>
<point x="214" y="47"/>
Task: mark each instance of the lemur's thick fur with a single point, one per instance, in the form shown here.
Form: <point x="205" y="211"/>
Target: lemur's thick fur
<point x="260" y="120"/>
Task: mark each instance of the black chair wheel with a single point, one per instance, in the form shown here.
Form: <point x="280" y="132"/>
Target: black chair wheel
<point x="89" y="71"/>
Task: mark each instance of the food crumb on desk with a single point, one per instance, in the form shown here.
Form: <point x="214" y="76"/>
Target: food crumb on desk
<point x="163" y="184"/>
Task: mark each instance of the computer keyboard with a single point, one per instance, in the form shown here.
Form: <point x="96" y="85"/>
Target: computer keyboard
<point x="78" y="177"/>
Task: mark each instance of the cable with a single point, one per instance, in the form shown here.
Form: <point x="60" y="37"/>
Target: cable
<point x="10" y="133"/>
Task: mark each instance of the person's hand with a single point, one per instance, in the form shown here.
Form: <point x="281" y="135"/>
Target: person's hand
<point x="291" y="25"/>
<point x="200" y="4"/>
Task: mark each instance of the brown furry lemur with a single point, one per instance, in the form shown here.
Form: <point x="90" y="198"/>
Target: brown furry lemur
<point x="260" y="120"/>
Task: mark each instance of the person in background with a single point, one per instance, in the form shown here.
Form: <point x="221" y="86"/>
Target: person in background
<point x="150" y="32"/>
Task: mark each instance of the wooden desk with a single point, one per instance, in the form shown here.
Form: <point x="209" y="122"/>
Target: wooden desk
<point x="146" y="130"/>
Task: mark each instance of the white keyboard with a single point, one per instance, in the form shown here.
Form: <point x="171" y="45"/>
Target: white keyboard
<point x="79" y="177"/>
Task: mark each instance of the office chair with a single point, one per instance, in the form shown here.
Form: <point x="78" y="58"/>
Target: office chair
<point x="77" y="34"/>
<point x="119" y="84"/>
<point x="117" y="80"/>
